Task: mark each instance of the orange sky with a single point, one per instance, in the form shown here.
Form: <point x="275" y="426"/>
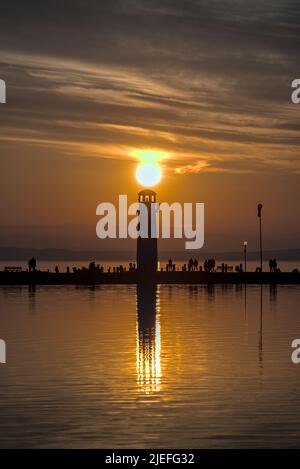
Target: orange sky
<point x="209" y="86"/>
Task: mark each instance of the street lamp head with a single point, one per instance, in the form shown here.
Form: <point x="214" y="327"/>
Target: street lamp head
<point x="259" y="207"/>
<point x="245" y="243"/>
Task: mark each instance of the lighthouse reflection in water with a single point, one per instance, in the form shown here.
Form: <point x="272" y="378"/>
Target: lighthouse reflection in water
<point x="148" y="346"/>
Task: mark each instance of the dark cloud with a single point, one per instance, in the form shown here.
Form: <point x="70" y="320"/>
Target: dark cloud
<point x="208" y="81"/>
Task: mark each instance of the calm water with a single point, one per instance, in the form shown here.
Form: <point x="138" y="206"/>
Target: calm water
<point x="175" y="366"/>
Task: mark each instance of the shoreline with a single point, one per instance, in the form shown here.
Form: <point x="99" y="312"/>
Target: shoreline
<point x="135" y="277"/>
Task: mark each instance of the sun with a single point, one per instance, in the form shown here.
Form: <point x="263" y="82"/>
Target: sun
<point x="149" y="172"/>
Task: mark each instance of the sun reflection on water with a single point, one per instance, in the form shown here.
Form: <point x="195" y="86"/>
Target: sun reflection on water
<point x="148" y="340"/>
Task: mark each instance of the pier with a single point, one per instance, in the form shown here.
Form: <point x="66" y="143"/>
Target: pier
<point x="86" y="277"/>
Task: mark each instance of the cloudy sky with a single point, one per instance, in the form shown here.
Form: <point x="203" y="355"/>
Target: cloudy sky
<point x="207" y="82"/>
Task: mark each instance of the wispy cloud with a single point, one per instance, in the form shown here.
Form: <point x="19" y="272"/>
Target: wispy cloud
<point x="207" y="82"/>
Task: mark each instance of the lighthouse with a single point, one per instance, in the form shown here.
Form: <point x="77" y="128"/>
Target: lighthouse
<point x="147" y="247"/>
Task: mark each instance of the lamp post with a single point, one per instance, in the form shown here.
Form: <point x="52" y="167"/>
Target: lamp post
<point x="259" y="208"/>
<point x="245" y="255"/>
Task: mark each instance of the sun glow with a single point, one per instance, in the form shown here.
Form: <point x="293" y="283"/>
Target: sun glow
<point x="148" y="172"/>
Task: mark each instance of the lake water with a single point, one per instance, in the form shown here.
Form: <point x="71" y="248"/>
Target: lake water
<point x="167" y="366"/>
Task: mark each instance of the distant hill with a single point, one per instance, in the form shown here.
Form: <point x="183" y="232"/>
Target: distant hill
<point x="23" y="254"/>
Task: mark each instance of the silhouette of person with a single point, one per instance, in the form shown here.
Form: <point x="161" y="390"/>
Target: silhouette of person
<point x="209" y="265"/>
<point x="56" y="269"/>
<point x="273" y="265"/>
<point x="32" y="264"/>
